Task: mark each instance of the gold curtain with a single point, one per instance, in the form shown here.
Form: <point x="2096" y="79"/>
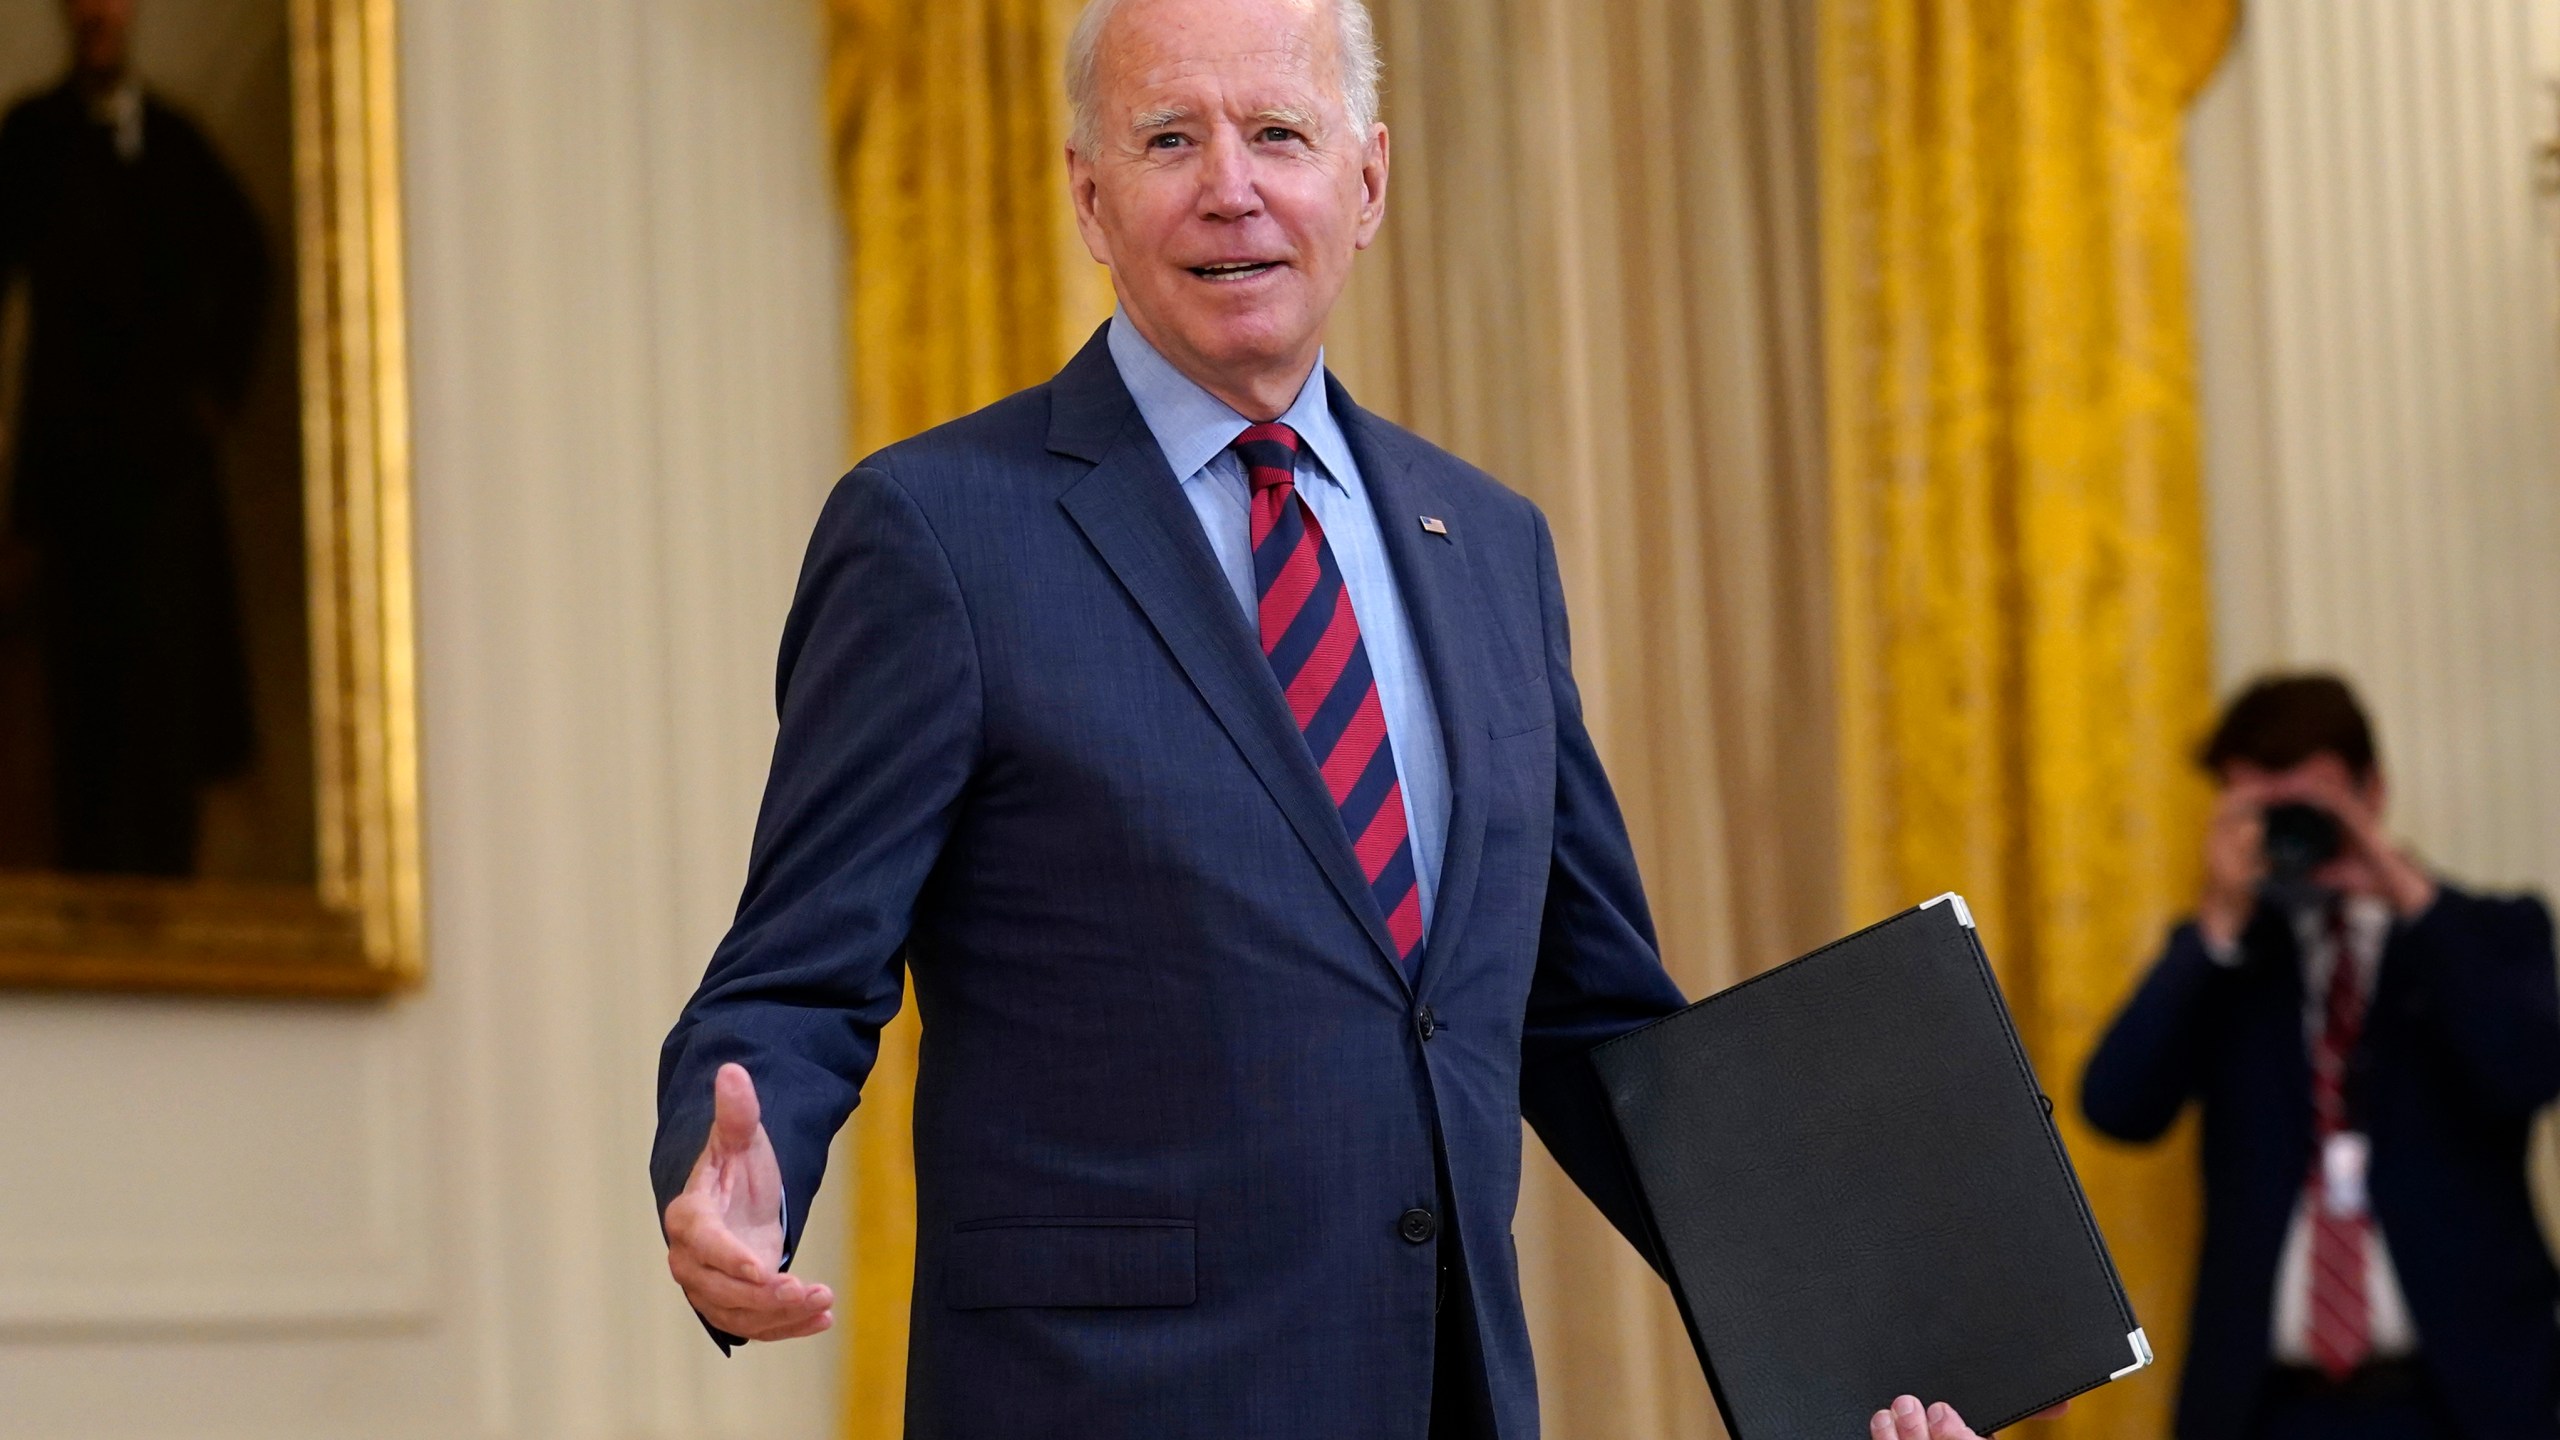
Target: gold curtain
<point x="964" y="282"/>
<point x="2018" y="554"/>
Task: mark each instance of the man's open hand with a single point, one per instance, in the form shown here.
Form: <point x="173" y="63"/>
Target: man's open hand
<point x="724" y="1233"/>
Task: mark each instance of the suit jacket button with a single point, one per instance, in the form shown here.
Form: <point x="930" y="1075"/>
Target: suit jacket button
<point x="1426" y="1022"/>
<point x="1417" y="1226"/>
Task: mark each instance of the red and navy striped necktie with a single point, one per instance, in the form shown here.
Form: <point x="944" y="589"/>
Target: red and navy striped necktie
<point x="2341" y="1328"/>
<point x="1313" y="642"/>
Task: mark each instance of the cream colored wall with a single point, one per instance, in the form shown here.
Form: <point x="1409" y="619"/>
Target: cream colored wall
<point x="430" y="1218"/>
<point x="2380" y="342"/>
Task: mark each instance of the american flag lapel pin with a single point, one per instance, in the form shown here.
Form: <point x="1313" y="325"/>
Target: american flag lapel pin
<point x="1434" y="525"/>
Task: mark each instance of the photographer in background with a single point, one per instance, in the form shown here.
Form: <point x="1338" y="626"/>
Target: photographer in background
<point x="2369" y="1045"/>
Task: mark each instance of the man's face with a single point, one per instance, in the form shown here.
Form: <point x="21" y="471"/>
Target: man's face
<point x="1228" y="191"/>
<point x="101" y="36"/>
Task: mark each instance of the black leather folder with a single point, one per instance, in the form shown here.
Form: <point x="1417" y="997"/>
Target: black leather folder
<point x="1856" y="1190"/>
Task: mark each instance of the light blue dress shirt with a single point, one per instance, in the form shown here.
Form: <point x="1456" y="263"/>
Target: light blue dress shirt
<point x="1194" y="429"/>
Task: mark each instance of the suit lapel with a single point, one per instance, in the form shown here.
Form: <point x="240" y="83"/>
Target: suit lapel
<point x="1131" y="508"/>
<point x="1436" y="576"/>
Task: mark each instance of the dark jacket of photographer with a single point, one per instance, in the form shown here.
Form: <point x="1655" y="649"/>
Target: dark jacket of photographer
<point x="2461" y="1045"/>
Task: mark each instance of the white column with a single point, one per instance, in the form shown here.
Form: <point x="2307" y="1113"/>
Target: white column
<point x="2381" y="362"/>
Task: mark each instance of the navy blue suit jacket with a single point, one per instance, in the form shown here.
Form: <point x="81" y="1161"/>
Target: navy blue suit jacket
<point x="1176" y="1097"/>
<point x="2461" y="1045"/>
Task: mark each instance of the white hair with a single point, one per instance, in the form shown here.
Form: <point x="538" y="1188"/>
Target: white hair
<point x="1356" y="40"/>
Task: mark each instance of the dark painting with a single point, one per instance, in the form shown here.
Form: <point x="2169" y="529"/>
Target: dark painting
<point x="154" y="682"/>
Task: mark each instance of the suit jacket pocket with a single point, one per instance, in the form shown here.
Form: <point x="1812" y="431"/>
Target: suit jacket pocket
<point x="994" y="1264"/>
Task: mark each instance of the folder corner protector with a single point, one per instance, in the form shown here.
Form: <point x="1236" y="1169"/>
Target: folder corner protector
<point x="2140" y="1342"/>
<point x="1964" y="914"/>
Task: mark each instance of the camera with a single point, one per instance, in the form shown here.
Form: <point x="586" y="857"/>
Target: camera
<point x="2300" y="839"/>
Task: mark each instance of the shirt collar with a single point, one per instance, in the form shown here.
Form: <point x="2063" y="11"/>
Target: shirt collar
<point x="2368" y="922"/>
<point x="120" y="110"/>
<point x="1193" y="427"/>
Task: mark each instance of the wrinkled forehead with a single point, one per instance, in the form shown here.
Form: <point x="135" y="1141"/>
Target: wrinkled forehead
<point x="1237" y="56"/>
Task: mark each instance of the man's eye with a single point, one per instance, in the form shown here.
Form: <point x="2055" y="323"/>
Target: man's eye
<point x="1278" y="135"/>
<point x="1166" y="141"/>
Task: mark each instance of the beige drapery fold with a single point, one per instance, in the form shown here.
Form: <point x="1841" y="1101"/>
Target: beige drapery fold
<point x="1598" y="281"/>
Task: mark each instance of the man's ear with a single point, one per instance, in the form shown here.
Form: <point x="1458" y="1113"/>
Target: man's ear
<point x="1373" y="185"/>
<point x="1084" y="194"/>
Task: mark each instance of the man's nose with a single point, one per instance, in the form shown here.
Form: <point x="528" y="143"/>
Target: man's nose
<point x="1227" y="188"/>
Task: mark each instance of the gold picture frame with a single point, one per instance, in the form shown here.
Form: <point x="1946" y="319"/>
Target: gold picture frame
<point x="356" y="929"/>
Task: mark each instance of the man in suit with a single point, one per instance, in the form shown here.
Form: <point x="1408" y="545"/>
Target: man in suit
<point x="1206" y="749"/>
<point x="2369" y="1050"/>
